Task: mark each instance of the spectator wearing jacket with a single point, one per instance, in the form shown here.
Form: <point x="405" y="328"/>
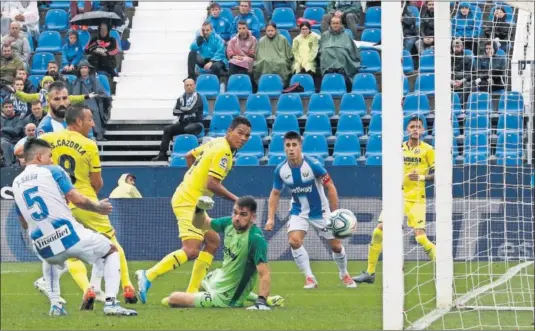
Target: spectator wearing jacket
<point x="71" y="53"/>
<point x="427" y="28"/>
<point x="9" y="64"/>
<point x="305" y="50"/>
<point x="36" y="115"/>
<point x="20" y="47"/>
<point x="409" y="28"/>
<point x="30" y="131"/>
<point x="220" y="24"/>
<point x="28" y="86"/>
<point x="241" y="51"/>
<point x="54" y="72"/>
<point x="499" y="29"/>
<point x="465" y="25"/>
<point x="245" y="14"/>
<point x="461" y="69"/>
<point x="348" y="11"/>
<point x="273" y="56"/>
<point x="208" y="52"/>
<point x="126" y="188"/>
<point x="12" y="127"/>
<point x="491" y="70"/>
<point x="102" y="50"/>
<point x="189" y="110"/>
<point x="21" y="107"/>
<point x="23" y="12"/>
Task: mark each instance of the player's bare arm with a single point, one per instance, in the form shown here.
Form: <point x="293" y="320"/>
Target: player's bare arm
<point x="331" y="190"/>
<point x="190" y="159"/>
<point x="215" y="186"/>
<point x="96" y="181"/>
<point x="264" y="279"/>
<point x="103" y="207"/>
<point x="273" y="202"/>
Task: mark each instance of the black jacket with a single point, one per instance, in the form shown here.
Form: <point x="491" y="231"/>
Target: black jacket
<point x="189" y="109"/>
<point x="427" y="24"/>
<point x="462" y="67"/>
<point x="492" y="67"/>
<point x="498" y="28"/>
<point x="409" y="23"/>
<point x="32" y="119"/>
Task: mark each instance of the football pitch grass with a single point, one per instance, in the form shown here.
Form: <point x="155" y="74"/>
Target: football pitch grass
<point x="329" y="307"/>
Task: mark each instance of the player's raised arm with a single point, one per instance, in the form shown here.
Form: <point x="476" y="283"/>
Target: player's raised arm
<point x="201" y="219"/>
<point x="190" y="158"/>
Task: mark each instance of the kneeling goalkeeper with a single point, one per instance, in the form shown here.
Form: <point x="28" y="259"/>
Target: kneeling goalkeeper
<point x="244" y="260"/>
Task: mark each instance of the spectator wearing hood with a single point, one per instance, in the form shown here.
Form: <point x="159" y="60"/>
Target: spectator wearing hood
<point x="24" y="12"/>
<point x="427" y="28"/>
<point x="102" y="50"/>
<point x="208" y="52"/>
<point x="273" y="55"/>
<point x="491" y="70"/>
<point x="465" y="24"/>
<point x="87" y="83"/>
<point x="348" y="11"/>
<point x="409" y="28"/>
<point x="12" y="130"/>
<point x="220" y="24"/>
<point x="9" y="64"/>
<point x="126" y="188"/>
<point x="305" y="50"/>
<point x="20" y="47"/>
<point x="71" y="53"/>
<point x="245" y="14"/>
<point x="241" y="51"/>
<point x="461" y="69"/>
<point x="499" y="29"/>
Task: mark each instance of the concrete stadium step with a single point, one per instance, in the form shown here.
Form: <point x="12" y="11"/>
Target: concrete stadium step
<point x="155" y="7"/>
<point x="157" y="86"/>
<point x="144" y="113"/>
<point x="153" y="66"/>
<point x="129" y="153"/>
<point x="134" y="164"/>
<point x="129" y="143"/>
<point x="143" y="133"/>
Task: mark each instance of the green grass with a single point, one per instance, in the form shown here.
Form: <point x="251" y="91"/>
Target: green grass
<point x="329" y="307"/>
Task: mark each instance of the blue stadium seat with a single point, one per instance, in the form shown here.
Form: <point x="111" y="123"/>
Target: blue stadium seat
<point x="315" y="145"/>
<point x="228" y="4"/>
<point x="510" y="143"/>
<point x="284" y="18"/>
<point x="510" y="122"/>
<point x="316" y="14"/>
<point x="373" y="17"/>
<point x="40" y="62"/>
<point x="416" y="104"/>
<point x="317" y="124"/>
<point x="374" y="160"/>
<point x="178" y="162"/>
<point x="227" y="104"/>
<point x="289" y="104"/>
<point x="287" y="35"/>
<point x="425" y="83"/>
<point x="271" y="85"/>
<point x="219" y="125"/>
<point x="49" y="41"/>
<point x="258" y="104"/>
<point x="105" y="83"/>
<point x="405" y="85"/>
<point x="317" y="31"/>
<point x="208" y="85"/>
<point x="427" y="61"/>
<point x="284" y="124"/>
<point x="476" y="159"/>
<point x="258" y="125"/>
<point x="184" y="143"/>
<point x="321" y="103"/>
<point x="239" y="85"/>
<point x="407" y="62"/>
<point x="31" y="43"/>
<point x="374" y="145"/>
<point x="511" y="102"/>
<point x="59" y="5"/>
<point x="375" y="125"/>
<point x="333" y="84"/>
<point x="476" y="122"/>
<point x="476" y="143"/>
<point x="322" y="4"/>
<point x="257" y="4"/>
<point x="341" y="160"/>
<point x="84" y="37"/>
<point x="319" y="158"/>
<point x="276" y="160"/>
<point x="227" y="13"/>
<point x="260" y="16"/>
<point x="365" y="84"/>
<point x="350" y="33"/>
<point x="56" y="20"/>
<point x="371" y="61"/>
<point x="354" y="104"/>
<point x="206" y="109"/>
<point x="347" y="145"/>
<point x="456" y="105"/>
<point x="253" y="148"/>
<point x="454" y="145"/>
<point x="277" y="146"/>
<point x="508" y="159"/>
<point x="372" y="36"/>
<point x="246" y="161"/>
<point x="306" y="81"/>
<point x="115" y="34"/>
<point x="478" y="102"/>
<point x="35" y="80"/>
<point x="71" y="78"/>
<point x="376" y="104"/>
<point x="350" y="124"/>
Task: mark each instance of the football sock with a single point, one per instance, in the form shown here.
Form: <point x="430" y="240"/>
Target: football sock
<point x="375" y="249"/>
<point x="78" y="271"/>
<point x="168" y="263"/>
<point x="125" y="278"/>
<point x="301" y="257"/>
<point x="428" y="246"/>
<point x="51" y="274"/>
<point x="340" y="259"/>
<point x="199" y="271"/>
<point x="111" y="275"/>
<point x="97" y="272"/>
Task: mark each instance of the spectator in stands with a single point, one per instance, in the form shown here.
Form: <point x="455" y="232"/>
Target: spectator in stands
<point x="273" y="55"/>
<point x="499" y="29"/>
<point x="9" y="64"/>
<point x="117" y="7"/>
<point x="220" y="24"/>
<point x="269" y="6"/>
<point x="250" y="18"/>
<point x="102" y="50"/>
<point x="461" y="69"/>
<point x="37" y="113"/>
<point x="30" y="131"/>
<point x="28" y="86"/>
<point x="53" y="71"/>
<point x="24" y="12"/>
<point x="41" y="96"/>
<point x="409" y="28"/>
<point x="427" y="28"/>
<point x="189" y="110"/>
<point x="71" y="53"/>
<point x="75" y="10"/>
<point x="305" y="50"/>
<point x="464" y="24"/>
<point x="126" y="188"/>
<point x="208" y="52"/>
<point x="348" y="11"/>
<point x="491" y="70"/>
<point x="87" y="83"/>
<point x="20" y="47"/>
<point x="20" y="107"/>
<point x="12" y="130"/>
<point x="241" y="51"/>
<point x="338" y="52"/>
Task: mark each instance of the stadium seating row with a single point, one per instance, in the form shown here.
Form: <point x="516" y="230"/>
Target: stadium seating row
<point x="51" y="42"/>
<point x="36" y="81"/>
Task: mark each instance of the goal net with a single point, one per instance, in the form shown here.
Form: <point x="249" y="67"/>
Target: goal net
<point x="473" y="85"/>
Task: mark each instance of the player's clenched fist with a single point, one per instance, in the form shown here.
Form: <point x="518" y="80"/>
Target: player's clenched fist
<point x="269" y="225"/>
<point x="104" y="207"/>
<point x="205" y="203"/>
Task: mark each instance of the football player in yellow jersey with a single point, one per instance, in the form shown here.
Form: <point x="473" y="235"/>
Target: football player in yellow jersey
<point x="79" y="157"/>
<point x="208" y="165"/>
<point x="419" y="161"/>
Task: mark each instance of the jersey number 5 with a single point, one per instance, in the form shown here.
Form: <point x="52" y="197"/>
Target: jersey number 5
<point x="68" y="164"/>
<point x="31" y="199"/>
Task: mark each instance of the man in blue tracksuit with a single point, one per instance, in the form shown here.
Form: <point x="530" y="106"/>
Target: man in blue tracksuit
<point x="250" y="18"/>
<point x="208" y="52"/>
<point x="220" y="24"/>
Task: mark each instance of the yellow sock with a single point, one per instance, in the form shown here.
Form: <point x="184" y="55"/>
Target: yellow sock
<point x="78" y="271"/>
<point x="168" y="263"/>
<point x="125" y="277"/>
<point x="375" y="249"/>
<point x="199" y="271"/>
<point x="428" y="246"/>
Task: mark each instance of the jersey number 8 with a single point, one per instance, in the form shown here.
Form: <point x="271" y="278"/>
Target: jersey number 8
<point x="68" y="164"/>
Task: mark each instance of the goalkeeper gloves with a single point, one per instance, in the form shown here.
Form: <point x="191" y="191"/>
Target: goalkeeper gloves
<point x="260" y="304"/>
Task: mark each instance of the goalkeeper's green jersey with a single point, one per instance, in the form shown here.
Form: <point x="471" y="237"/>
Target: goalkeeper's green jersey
<point x="242" y="252"/>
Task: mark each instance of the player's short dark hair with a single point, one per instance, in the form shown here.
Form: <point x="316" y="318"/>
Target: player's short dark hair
<point x="416" y="118"/>
<point x="57" y="85"/>
<point x="214" y="5"/>
<point x="248" y="202"/>
<point x="292" y="135"/>
<point x="32" y="145"/>
<point x="239" y="120"/>
<point x="73" y="113"/>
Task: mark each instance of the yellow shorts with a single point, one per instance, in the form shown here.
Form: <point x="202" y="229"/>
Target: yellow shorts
<point x="93" y="221"/>
<point x="415" y="213"/>
<point x="184" y="212"/>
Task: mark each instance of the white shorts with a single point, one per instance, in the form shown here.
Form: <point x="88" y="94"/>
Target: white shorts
<point x="298" y="223"/>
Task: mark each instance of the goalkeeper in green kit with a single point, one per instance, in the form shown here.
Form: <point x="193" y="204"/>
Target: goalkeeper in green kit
<point x="244" y="260"/>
